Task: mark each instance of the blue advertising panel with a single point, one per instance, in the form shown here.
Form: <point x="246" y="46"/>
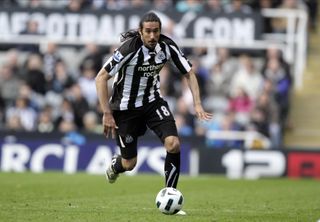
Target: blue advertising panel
<point x="75" y="152"/>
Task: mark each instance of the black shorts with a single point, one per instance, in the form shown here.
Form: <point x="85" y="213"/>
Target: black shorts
<point x="133" y="123"/>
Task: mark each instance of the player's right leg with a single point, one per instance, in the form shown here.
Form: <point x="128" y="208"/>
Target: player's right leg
<point x="124" y="162"/>
<point x="111" y="173"/>
<point x="129" y="125"/>
<point x="119" y="165"/>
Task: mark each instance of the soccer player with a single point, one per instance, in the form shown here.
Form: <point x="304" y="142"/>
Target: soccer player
<point x="136" y="102"/>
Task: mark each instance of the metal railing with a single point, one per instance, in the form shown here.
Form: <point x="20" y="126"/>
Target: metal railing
<point x="251" y="139"/>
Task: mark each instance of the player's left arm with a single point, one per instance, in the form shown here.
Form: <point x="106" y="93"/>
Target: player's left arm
<point x="194" y="87"/>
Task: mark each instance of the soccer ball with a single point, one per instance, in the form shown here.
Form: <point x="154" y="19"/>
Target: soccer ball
<point x="169" y="200"/>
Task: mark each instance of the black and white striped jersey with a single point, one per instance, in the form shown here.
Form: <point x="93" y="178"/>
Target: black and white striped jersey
<point x="136" y="71"/>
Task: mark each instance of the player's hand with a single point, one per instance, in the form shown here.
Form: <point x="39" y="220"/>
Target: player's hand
<point x="201" y="114"/>
<point x="109" y="125"/>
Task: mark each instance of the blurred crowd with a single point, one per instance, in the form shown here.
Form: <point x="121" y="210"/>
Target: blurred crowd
<point x="40" y="92"/>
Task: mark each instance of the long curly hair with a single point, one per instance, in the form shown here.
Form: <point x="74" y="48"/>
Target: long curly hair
<point x="148" y="17"/>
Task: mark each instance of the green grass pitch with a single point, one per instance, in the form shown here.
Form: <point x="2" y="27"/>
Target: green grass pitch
<point x="81" y="197"/>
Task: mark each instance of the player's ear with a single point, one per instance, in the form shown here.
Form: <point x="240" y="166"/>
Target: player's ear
<point x="140" y="31"/>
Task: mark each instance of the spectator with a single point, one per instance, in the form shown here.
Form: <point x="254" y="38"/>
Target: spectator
<point x="189" y="5"/>
<point x="93" y="55"/>
<point x="138" y="4"/>
<point x="76" y="5"/>
<point x="61" y="80"/>
<point x="87" y="83"/>
<point x="45" y="120"/>
<point x="79" y="105"/>
<point x="241" y="105"/>
<point x="50" y="59"/>
<point x="182" y="110"/>
<point x="9" y="85"/>
<point x="162" y="5"/>
<point x="229" y="65"/>
<point x="213" y="6"/>
<point x="65" y="119"/>
<point x="267" y="105"/>
<point x="217" y="89"/>
<point x="218" y="83"/>
<point x="31" y="29"/>
<point x="90" y="122"/>
<point x="258" y="122"/>
<point x="247" y="77"/>
<point x="66" y="126"/>
<point x="282" y="84"/>
<point x="183" y="128"/>
<point x="8" y="3"/>
<point x="275" y="53"/>
<point x="13" y="61"/>
<point x="34" y="75"/>
<point x="13" y="123"/>
<point x="36" y="100"/>
<point x="237" y="6"/>
<point x="35" y="3"/>
<point x="23" y="112"/>
<point x="110" y="4"/>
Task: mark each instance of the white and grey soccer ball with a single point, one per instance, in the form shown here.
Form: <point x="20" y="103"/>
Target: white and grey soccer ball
<point x="169" y="200"/>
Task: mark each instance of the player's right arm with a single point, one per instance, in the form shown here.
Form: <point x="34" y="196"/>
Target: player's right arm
<point x="120" y="57"/>
<point x="109" y="125"/>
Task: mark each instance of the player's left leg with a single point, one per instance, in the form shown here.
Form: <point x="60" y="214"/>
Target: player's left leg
<point x="161" y="121"/>
<point x="172" y="161"/>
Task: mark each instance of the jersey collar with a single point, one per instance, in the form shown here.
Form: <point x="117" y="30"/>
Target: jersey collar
<point x="157" y="49"/>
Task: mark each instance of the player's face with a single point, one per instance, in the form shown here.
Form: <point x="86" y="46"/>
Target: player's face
<point x="150" y="34"/>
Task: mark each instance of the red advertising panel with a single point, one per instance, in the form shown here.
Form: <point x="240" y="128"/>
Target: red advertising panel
<point x="304" y="164"/>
